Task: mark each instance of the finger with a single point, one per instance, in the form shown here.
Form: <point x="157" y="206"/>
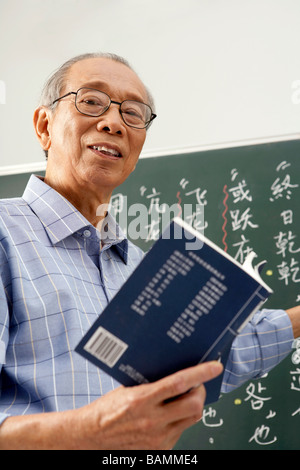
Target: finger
<point x="184" y="380"/>
<point x="185" y="411"/>
<point x="188" y="405"/>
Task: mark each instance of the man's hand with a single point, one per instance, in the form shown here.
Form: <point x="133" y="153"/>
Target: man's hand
<point x="141" y="417"/>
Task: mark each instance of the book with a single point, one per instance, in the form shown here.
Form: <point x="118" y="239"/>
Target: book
<point x="184" y="304"/>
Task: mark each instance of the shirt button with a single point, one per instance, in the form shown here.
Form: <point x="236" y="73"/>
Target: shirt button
<point x="87" y="233"/>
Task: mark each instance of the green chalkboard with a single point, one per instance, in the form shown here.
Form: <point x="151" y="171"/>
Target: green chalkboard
<point x="250" y="197"/>
<point x="243" y="198"/>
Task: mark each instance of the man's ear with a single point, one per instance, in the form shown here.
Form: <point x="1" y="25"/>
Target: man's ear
<point x="41" y="122"/>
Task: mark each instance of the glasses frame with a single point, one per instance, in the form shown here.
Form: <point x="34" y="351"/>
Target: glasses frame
<point x="152" y="117"/>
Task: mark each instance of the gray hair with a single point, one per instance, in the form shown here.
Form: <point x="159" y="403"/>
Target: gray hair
<point x="55" y="83"/>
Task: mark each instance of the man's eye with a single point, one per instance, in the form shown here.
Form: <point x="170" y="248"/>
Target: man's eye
<point x="92" y="102"/>
<point x="134" y="113"/>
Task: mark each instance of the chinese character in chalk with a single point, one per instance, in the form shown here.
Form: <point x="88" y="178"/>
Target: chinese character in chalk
<point x="257" y="401"/>
<point x="295" y="384"/>
<point x="117" y="203"/>
<point x="242" y="221"/>
<point x="289" y="271"/>
<point x="295" y="374"/>
<point x="193" y="210"/>
<point x="287" y="217"/>
<point x="243" y="249"/>
<point x="155" y="209"/>
<point x="285" y="243"/>
<point x="153" y="230"/>
<point x="209" y="418"/>
<point x="200" y="196"/>
<point x="261" y="436"/>
<point x="296" y="354"/>
<point x="118" y="209"/>
<point x="155" y="203"/>
<point x="240" y="193"/>
<point x="282" y="187"/>
<point x="195" y="218"/>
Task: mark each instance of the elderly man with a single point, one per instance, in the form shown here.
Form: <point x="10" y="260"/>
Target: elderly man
<point x="56" y="277"/>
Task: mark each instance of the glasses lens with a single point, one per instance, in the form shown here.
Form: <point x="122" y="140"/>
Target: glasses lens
<point x="92" y="102"/>
<point x="136" y="114"/>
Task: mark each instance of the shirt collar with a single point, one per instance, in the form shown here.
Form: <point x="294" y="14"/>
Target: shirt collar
<point x="61" y="219"/>
<point x="112" y="234"/>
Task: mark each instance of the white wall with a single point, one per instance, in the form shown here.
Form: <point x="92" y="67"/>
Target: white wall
<point x="220" y="70"/>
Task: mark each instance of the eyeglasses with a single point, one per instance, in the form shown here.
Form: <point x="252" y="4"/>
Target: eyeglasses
<point x="94" y="103"/>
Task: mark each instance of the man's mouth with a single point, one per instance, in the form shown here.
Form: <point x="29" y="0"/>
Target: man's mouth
<point x="110" y="152"/>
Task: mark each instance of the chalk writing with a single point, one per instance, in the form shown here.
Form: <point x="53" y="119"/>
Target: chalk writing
<point x="282" y="186"/>
<point x="246" y="209"/>
<point x="295" y="372"/>
<point x="242" y="217"/>
<point x="161" y="213"/>
<point x="286" y="243"/>
<point x="261" y="436"/>
<point x="254" y="392"/>
<point x="210" y="419"/>
<point x="240" y="193"/>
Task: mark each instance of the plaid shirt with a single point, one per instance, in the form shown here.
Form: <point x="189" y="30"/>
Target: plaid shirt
<point x="55" y="281"/>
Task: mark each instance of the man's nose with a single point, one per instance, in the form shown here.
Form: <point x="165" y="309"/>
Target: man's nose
<point x="111" y="121"/>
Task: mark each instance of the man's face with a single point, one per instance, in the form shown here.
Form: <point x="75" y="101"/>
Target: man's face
<point x="73" y="136"/>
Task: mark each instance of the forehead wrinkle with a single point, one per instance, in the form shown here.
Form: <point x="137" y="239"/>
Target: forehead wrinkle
<point x="115" y="78"/>
<point x="103" y="86"/>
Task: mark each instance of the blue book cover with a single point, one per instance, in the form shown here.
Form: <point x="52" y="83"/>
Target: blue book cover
<point x="183" y="305"/>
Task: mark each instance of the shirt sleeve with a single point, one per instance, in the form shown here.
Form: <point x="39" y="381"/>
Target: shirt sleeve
<point x="4" y="321"/>
<point x="4" y="328"/>
<point x="264" y="342"/>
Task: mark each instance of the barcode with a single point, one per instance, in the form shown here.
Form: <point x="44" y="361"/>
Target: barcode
<point x="105" y="346"/>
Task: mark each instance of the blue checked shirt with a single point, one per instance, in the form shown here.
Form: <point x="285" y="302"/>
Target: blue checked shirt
<point x="55" y="280"/>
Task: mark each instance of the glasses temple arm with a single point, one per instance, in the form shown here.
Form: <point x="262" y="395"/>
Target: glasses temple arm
<point x="61" y="97"/>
